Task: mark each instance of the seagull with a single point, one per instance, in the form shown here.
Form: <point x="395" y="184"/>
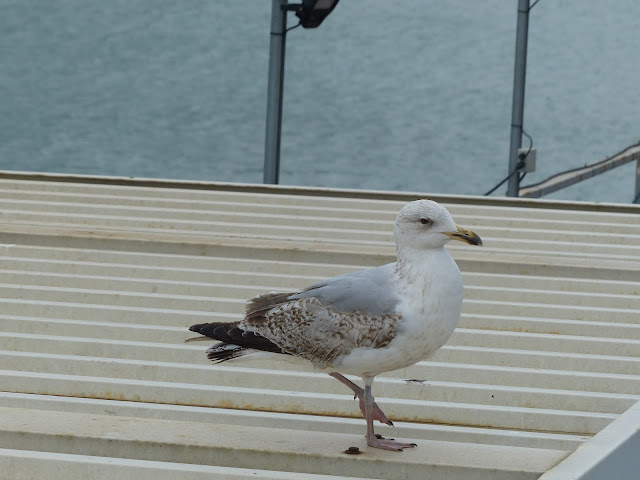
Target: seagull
<point x="363" y="323"/>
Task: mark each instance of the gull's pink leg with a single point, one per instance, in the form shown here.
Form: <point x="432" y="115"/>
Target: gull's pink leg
<point x="372" y="439"/>
<point x="358" y="393"/>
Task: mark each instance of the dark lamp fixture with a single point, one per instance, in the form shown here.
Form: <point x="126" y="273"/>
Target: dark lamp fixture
<point x="312" y="12"/>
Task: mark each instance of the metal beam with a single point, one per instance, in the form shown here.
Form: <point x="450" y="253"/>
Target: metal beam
<point x="636" y="195"/>
<point x="565" y="179"/>
<point x="517" y="109"/>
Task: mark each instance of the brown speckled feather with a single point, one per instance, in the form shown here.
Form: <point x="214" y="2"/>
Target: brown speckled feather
<point x="307" y="328"/>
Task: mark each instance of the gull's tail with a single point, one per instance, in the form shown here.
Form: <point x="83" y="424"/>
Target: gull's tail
<point x="225" y="349"/>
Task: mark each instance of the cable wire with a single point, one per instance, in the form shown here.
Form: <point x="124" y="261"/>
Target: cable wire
<point x="530" y="143"/>
<point x="300" y="23"/>
<point x="519" y="166"/>
<point x="501" y="183"/>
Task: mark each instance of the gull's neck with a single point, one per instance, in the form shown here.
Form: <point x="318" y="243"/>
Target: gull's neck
<point x="426" y="272"/>
<point x="413" y="263"/>
<point x="431" y="291"/>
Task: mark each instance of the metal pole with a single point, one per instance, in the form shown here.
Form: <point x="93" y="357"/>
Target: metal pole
<point x="274" y="91"/>
<point x="517" y="110"/>
<point x="636" y="197"/>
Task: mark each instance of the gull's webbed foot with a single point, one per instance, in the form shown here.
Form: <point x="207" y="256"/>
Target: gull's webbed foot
<point x="378" y="441"/>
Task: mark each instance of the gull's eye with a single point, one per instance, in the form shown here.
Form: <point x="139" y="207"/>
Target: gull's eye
<point x="425" y="221"/>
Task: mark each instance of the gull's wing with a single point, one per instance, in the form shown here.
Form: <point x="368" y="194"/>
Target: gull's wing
<point x="369" y="292"/>
<point x="329" y="319"/>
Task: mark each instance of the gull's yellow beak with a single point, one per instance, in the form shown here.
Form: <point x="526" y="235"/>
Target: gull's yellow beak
<point x="464" y="235"/>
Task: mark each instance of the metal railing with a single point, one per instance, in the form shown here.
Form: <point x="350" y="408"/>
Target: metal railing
<point x="571" y="177"/>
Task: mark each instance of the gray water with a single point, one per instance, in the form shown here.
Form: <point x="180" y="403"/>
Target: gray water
<point x="393" y="95"/>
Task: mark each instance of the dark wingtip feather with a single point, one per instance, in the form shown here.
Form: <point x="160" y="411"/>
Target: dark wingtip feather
<point x="199" y="327"/>
<point x="217" y="331"/>
<point x="234" y="341"/>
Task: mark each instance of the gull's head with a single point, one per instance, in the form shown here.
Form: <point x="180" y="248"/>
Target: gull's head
<point x="425" y="224"/>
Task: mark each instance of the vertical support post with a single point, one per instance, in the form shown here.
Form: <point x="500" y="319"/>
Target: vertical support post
<point x="274" y="91"/>
<point x="636" y="195"/>
<point x="517" y="109"/>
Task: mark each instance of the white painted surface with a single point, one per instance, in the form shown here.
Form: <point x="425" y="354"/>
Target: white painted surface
<point x="612" y="453"/>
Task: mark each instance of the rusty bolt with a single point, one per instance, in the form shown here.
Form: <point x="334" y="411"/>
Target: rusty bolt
<point x="353" y="451"/>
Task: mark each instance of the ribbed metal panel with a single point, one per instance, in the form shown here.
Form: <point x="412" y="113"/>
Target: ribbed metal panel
<point x="100" y="282"/>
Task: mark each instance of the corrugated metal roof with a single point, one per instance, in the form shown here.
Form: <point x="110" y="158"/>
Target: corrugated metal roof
<point x="100" y="281"/>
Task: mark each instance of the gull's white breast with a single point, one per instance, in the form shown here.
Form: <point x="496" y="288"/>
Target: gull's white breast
<point x="431" y="293"/>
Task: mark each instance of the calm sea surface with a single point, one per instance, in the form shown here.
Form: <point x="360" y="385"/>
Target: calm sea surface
<point x="394" y="95"/>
